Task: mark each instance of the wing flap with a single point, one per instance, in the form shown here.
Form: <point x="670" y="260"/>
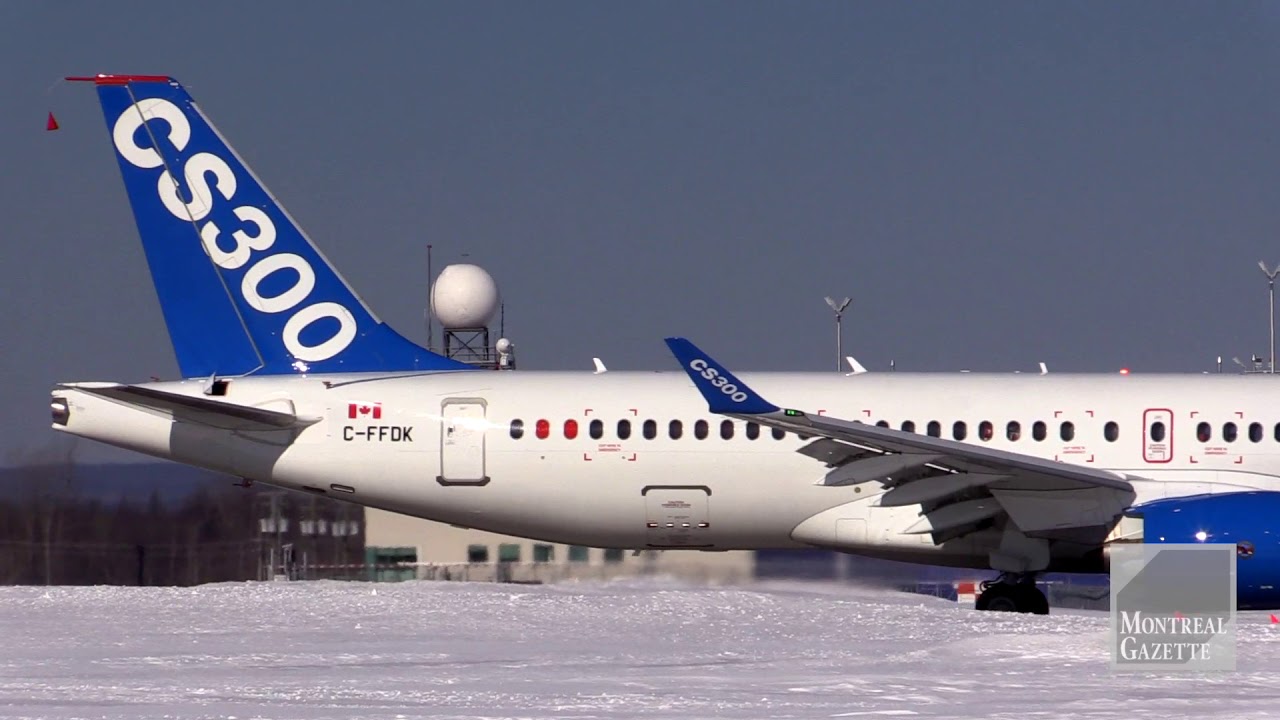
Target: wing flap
<point x="955" y="515"/>
<point x="934" y="489"/>
<point x="1036" y="511"/>
<point x="834" y="452"/>
<point x="881" y="467"/>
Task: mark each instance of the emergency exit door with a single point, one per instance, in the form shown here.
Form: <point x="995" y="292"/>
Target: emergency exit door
<point x="1157" y="435"/>
<point x="462" y="435"/>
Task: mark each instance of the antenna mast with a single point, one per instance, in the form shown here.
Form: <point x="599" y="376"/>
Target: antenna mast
<point x="431" y="331"/>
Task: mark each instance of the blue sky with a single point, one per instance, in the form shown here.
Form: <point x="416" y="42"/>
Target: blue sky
<point x="995" y="184"/>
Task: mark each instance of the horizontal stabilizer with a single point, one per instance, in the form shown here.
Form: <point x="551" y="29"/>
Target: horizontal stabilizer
<point x="196" y="410"/>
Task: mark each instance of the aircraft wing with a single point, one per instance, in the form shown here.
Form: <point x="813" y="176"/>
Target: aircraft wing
<point x="195" y="410"/>
<point x="958" y="484"/>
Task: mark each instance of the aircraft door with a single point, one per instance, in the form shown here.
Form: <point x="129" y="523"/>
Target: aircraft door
<point x="462" y="435"/>
<point x="1157" y="435"/>
<point x="677" y="515"/>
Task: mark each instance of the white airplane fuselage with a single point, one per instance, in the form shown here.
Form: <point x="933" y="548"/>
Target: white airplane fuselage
<point x="440" y="446"/>
<point x="308" y="389"/>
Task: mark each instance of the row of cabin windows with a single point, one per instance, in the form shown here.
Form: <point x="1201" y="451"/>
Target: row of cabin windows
<point x="1012" y="430"/>
<point x="1230" y="432"/>
<point x="702" y="429"/>
<point x="648" y="430"/>
<point x="959" y="430"/>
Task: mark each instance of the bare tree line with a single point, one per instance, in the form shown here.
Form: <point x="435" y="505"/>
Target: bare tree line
<point x="54" y="531"/>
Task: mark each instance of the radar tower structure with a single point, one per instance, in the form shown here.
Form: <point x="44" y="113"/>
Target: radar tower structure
<point x="465" y="299"/>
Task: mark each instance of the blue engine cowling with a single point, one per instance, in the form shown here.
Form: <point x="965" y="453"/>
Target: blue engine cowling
<point x="1250" y="520"/>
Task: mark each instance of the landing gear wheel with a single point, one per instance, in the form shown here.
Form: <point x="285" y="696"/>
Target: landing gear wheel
<point x="1031" y="600"/>
<point x="1008" y="597"/>
<point x="998" y="597"/>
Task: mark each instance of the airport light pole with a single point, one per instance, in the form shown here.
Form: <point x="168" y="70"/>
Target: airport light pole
<point x="838" y="308"/>
<point x="1271" y="296"/>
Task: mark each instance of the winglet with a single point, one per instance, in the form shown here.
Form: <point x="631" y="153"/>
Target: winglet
<point x="724" y="392"/>
<point x="855" y="367"/>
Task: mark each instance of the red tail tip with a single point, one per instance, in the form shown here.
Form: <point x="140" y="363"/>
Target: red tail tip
<point x="51" y="123"/>
<point x="1274" y="619"/>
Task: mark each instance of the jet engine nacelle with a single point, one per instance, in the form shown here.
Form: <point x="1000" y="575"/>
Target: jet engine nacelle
<point x="1249" y="520"/>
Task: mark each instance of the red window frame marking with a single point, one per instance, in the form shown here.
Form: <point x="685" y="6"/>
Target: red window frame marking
<point x="571" y="428"/>
<point x="542" y="429"/>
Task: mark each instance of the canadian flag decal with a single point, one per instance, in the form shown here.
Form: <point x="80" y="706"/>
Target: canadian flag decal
<point x="364" y="410"/>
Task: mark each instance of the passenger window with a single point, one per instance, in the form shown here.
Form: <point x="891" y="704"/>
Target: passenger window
<point x="779" y="433"/>
<point x="753" y="430"/>
<point x="726" y="429"/>
<point x="650" y="429"/>
<point x="1277" y="431"/>
<point x="700" y="429"/>
<point x="1067" y="431"/>
<point x="959" y="430"/>
<point x="1157" y="431"/>
<point x="1229" y="432"/>
<point x="934" y="429"/>
<point x="908" y="426"/>
<point x="986" y="431"/>
<point x="1111" y="431"/>
<point x="675" y="429"/>
<point x="1255" y="432"/>
<point x="571" y="429"/>
<point x="1039" y="431"/>
<point x="882" y="423"/>
<point x="597" y="429"/>
<point x="517" y="429"/>
<point x="1204" y="433"/>
<point x="624" y="429"/>
<point x="1013" y="431"/>
<point x="542" y="429"/>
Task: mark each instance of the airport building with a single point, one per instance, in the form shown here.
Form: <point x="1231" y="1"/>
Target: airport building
<point x="399" y="547"/>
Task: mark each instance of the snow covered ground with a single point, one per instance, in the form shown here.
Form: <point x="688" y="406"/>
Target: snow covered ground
<point x="616" y="650"/>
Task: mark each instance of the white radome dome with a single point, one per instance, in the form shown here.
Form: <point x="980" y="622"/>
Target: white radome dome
<point x="464" y="296"/>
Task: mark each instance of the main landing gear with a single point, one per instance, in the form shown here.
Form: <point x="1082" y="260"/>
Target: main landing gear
<point x="1013" y="592"/>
